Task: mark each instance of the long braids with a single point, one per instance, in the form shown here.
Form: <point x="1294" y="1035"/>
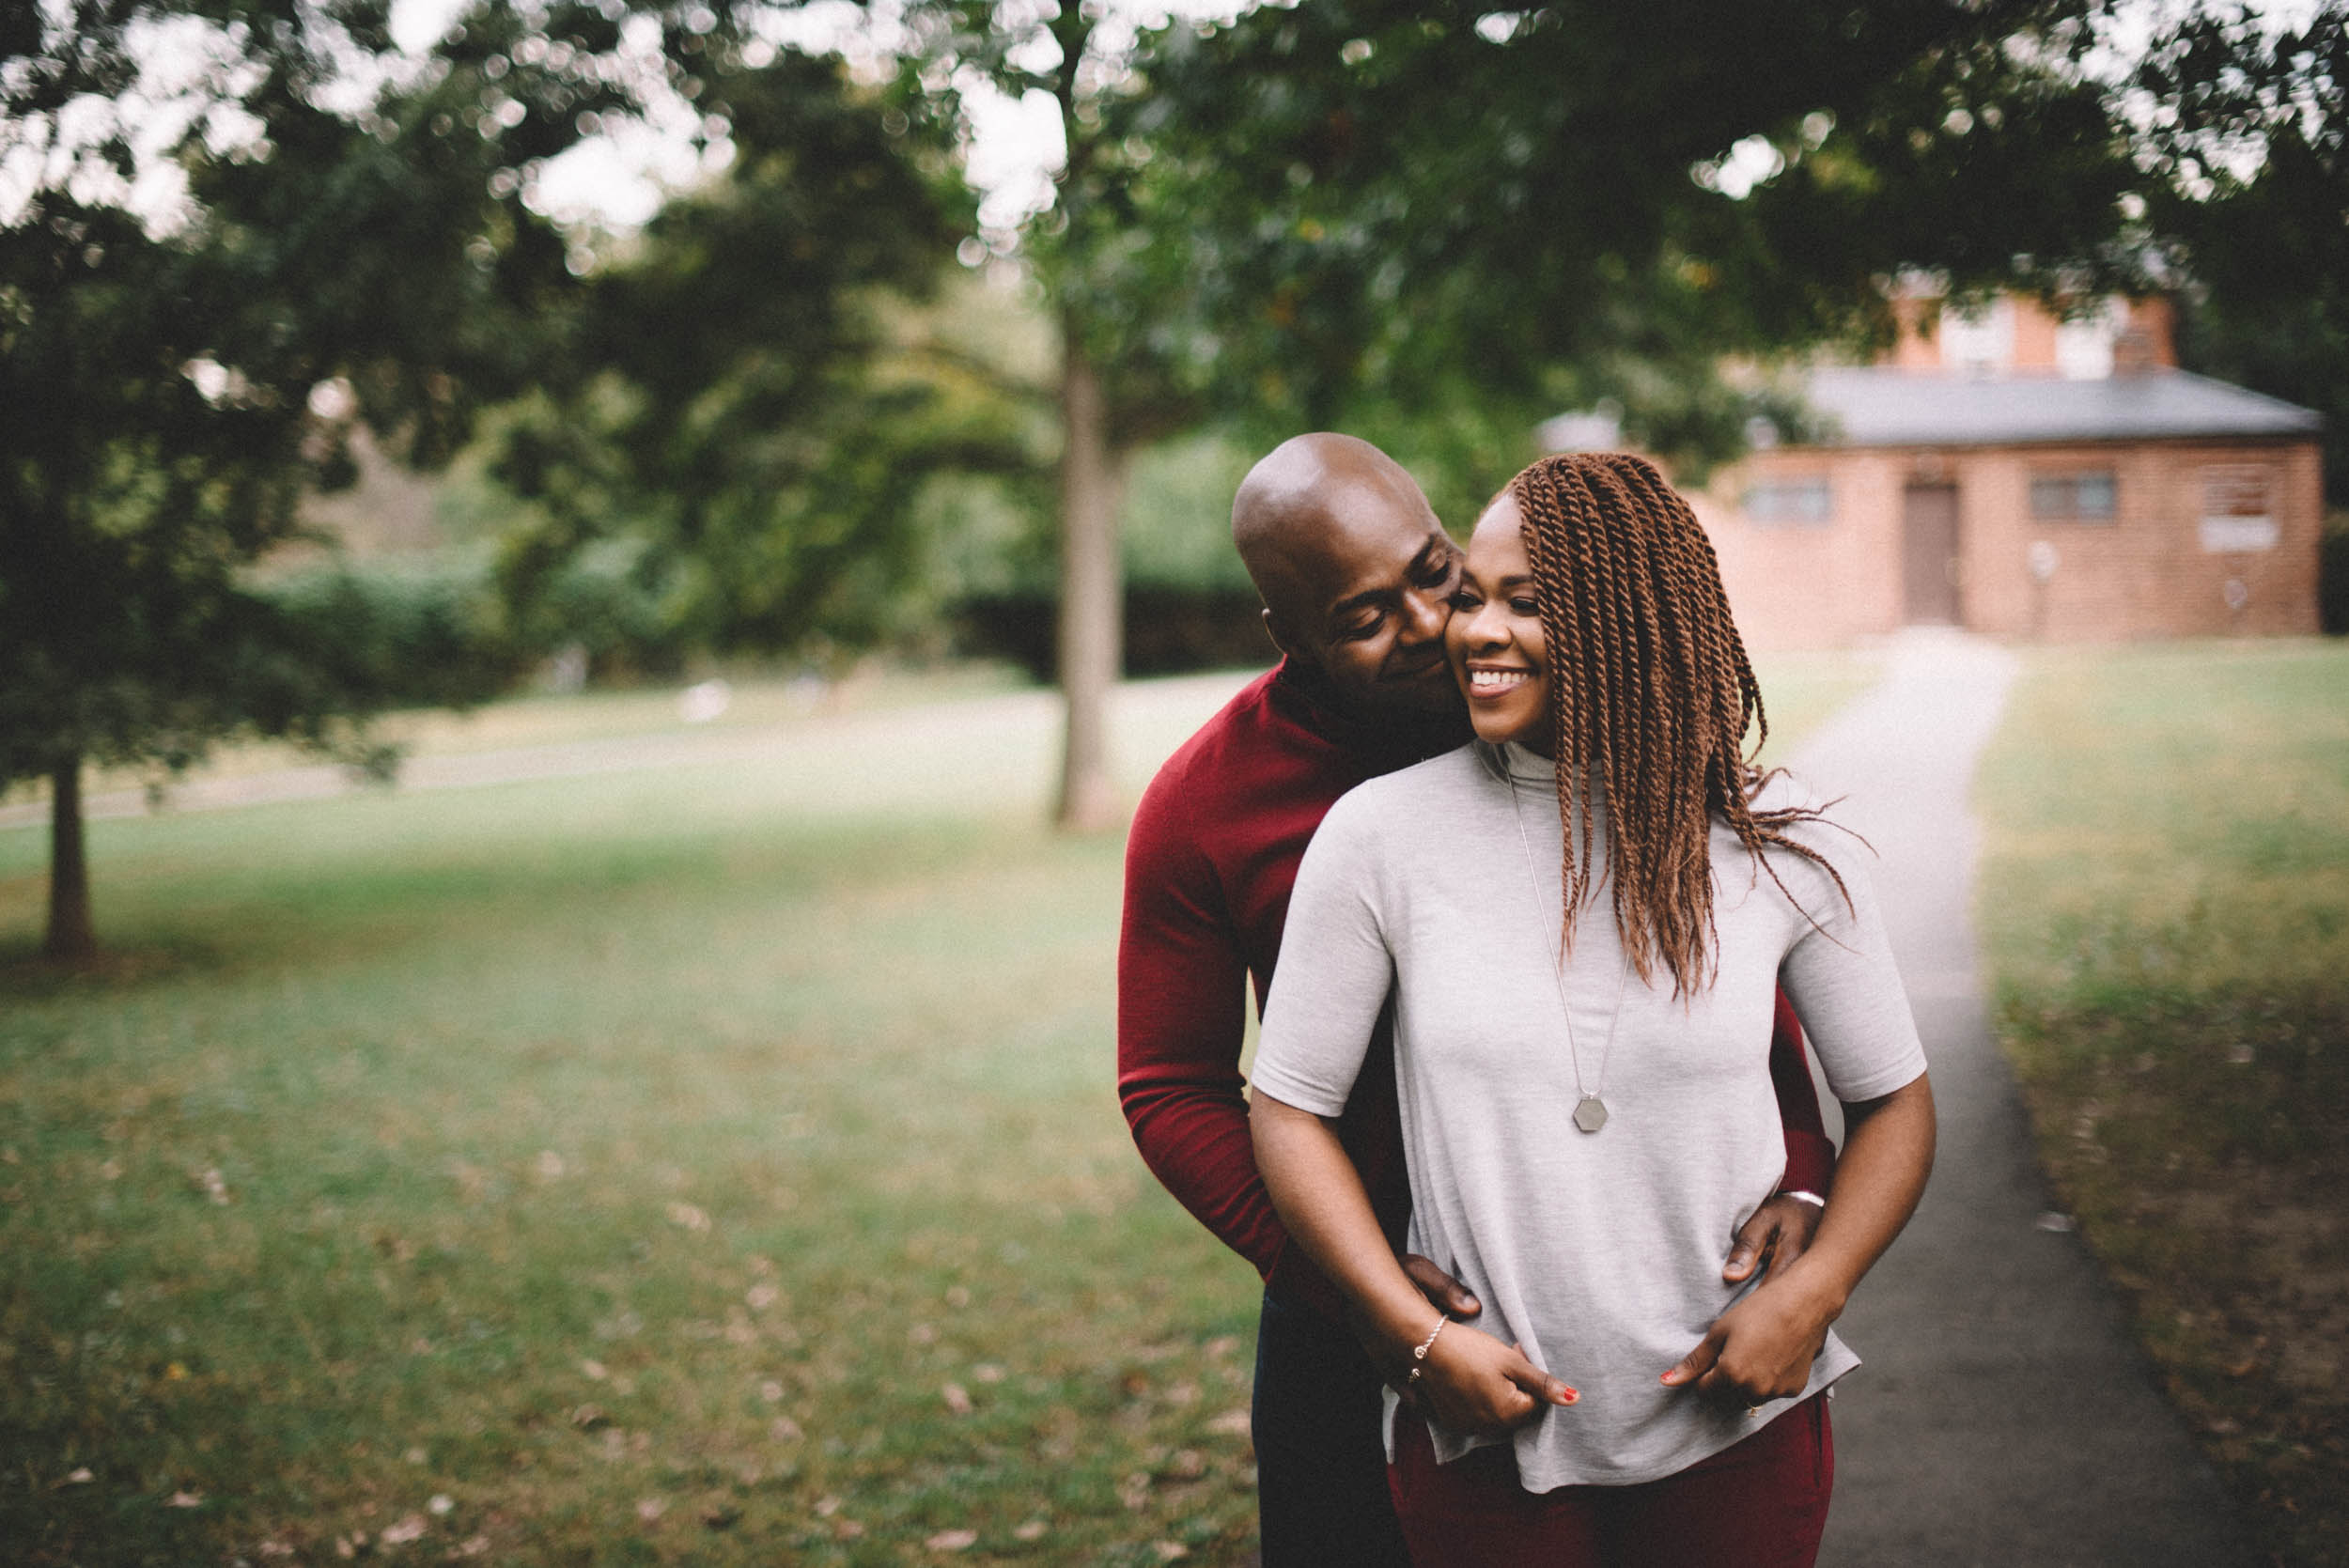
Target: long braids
<point x="1651" y="696"/>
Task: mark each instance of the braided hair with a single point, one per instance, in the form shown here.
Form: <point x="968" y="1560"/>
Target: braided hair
<point x="1651" y="695"/>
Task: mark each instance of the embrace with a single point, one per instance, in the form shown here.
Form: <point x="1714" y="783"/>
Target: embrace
<point x="1551" y="1239"/>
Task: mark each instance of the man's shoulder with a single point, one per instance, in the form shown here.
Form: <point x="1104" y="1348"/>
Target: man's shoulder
<point x="1251" y="745"/>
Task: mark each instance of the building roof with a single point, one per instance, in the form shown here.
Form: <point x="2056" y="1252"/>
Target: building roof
<point x="1878" y="406"/>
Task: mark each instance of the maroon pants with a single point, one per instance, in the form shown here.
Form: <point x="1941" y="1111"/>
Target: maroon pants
<point x="1760" y="1503"/>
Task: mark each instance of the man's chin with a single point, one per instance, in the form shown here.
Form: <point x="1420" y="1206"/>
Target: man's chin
<point x="1438" y="696"/>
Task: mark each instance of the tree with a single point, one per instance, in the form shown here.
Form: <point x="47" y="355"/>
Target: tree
<point x="1385" y="209"/>
<point x="1124" y="380"/>
<point x="745" y="405"/>
<point x="354" y="239"/>
<point x="2248" y="142"/>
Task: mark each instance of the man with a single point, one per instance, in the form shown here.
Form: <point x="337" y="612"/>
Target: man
<point x="1357" y="576"/>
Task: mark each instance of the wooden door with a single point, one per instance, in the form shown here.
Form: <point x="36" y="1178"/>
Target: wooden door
<point x="1929" y="554"/>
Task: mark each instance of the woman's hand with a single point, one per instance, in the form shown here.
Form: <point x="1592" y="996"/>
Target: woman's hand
<point x="1475" y="1386"/>
<point x="1761" y="1349"/>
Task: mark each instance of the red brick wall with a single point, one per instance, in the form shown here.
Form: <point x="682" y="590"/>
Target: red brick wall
<point x="2142" y="574"/>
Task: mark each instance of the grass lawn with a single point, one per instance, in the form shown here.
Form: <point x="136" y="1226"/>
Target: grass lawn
<point x="2165" y="898"/>
<point x="716" y="1164"/>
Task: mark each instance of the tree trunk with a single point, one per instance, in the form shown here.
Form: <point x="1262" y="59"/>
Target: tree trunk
<point x="1091" y="595"/>
<point x="70" y="935"/>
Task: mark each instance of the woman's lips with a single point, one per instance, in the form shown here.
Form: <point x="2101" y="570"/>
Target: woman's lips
<point x="1495" y="682"/>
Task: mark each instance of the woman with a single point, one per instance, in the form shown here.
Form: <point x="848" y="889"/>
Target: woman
<point x="1580" y="921"/>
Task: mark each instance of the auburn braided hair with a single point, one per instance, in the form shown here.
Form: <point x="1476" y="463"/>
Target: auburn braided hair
<point x="1651" y="695"/>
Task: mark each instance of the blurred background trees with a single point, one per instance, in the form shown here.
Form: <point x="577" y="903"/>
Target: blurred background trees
<point x="822" y="400"/>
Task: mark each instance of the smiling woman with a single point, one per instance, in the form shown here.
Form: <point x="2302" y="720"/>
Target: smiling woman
<point x="1587" y="1101"/>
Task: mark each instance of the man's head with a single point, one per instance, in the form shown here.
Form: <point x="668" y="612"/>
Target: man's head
<point x="1355" y="572"/>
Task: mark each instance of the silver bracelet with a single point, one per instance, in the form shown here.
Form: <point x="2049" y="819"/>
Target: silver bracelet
<point x="1418" y="1355"/>
<point x="1799" y="1195"/>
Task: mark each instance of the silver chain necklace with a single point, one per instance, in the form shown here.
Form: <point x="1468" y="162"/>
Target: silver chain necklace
<point x="1590" y="1112"/>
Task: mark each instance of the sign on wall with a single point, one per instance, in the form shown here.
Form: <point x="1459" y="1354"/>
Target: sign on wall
<point x="2238" y="516"/>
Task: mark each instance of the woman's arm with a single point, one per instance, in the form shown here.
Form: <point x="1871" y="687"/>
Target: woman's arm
<point x="1471" y="1383"/>
<point x="1761" y="1348"/>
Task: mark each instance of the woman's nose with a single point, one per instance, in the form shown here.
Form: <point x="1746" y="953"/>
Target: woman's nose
<point x="1486" y="628"/>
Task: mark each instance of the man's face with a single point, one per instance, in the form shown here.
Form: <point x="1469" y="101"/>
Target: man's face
<point x="1371" y="591"/>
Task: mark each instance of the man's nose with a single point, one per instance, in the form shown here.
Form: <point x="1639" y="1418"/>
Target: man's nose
<point x="1424" y="615"/>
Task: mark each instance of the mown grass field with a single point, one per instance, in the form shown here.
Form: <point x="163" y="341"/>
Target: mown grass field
<point x="711" y="1164"/>
<point x="2164" y="902"/>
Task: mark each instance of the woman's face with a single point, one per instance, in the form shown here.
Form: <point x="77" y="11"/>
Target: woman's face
<point x="1495" y="638"/>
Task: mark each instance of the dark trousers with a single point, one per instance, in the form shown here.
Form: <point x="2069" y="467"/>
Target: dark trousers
<point x="1760" y="1503"/>
<point x="1321" y="1465"/>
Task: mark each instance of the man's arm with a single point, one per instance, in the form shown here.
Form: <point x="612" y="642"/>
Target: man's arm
<point x="1181" y="1018"/>
<point x="1781" y="1228"/>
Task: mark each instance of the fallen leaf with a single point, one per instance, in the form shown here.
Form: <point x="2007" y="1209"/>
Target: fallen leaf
<point x="184" y="1499"/>
<point x="276" y="1548"/>
<point x="922" y="1333"/>
<point x="80" y="1477"/>
<point x="762" y="1295"/>
<point x="440" y="1505"/>
<point x="846" y="1529"/>
<point x="952" y="1541"/>
<point x="474" y="1546"/>
<point x="588" y="1417"/>
<point x="721" y="1517"/>
<point x="1170" y="1551"/>
<point x="783" y="1429"/>
<point x="771" y="1390"/>
<point x="689" y="1216"/>
<point x="650" y="1508"/>
<point x="412" y="1528"/>
<point x="1232" y="1423"/>
<point x="958" y="1398"/>
<point x="596" y="1370"/>
<point x="1033" y="1531"/>
<point x="987" y="1371"/>
<point x="826" y="1507"/>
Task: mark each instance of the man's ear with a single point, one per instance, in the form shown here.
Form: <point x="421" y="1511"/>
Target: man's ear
<point x="1283" y="640"/>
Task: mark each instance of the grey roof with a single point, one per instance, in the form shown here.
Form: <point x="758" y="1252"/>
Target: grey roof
<point x="1878" y="406"/>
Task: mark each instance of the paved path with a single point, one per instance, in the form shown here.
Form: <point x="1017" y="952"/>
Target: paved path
<point x="2003" y="1418"/>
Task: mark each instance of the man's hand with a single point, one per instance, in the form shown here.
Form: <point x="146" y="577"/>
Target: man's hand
<point x="1779" y="1233"/>
<point x="1445" y="1294"/>
<point x="1761" y="1348"/>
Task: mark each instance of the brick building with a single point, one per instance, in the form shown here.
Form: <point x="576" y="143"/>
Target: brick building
<point x="2027" y="478"/>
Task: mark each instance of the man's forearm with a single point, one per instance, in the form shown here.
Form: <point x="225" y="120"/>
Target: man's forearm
<point x="1194" y="1135"/>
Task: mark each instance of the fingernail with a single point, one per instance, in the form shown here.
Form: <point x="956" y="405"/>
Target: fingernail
<point x="1573" y="1395"/>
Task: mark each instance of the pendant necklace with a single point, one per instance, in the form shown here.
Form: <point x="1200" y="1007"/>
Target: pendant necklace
<point x="1590" y="1112"/>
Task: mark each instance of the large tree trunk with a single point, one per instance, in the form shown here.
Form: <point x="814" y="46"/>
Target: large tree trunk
<point x="1091" y="594"/>
<point x="70" y="935"/>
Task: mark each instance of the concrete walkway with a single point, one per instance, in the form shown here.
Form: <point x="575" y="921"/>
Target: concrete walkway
<point x="2003" y="1418"/>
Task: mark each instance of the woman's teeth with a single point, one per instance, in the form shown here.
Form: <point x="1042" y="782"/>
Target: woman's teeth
<point x="1495" y="680"/>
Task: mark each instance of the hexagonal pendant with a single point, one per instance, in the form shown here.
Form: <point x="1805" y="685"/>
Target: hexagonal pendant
<point x="1591" y="1114"/>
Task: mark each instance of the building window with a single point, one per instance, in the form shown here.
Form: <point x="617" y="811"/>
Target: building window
<point x="2238" y="513"/>
<point x="2090" y="496"/>
<point x="1790" y="503"/>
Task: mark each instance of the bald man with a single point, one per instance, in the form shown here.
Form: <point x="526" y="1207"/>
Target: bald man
<point x="1357" y="578"/>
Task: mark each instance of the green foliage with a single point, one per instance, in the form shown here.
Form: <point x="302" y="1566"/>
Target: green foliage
<point x="1373" y="210"/>
<point x="2255" y="202"/>
<point x="749" y="404"/>
<point x="172" y="377"/>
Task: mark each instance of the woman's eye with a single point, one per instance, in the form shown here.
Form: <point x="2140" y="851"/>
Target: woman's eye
<point x="1524" y="607"/>
<point x="1464" y="600"/>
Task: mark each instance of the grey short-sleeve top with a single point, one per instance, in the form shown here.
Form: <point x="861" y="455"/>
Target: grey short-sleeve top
<point x="1600" y="1253"/>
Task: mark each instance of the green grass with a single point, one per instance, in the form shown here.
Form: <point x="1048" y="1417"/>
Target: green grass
<point x="715" y="1164"/>
<point x="2165" y="902"/>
